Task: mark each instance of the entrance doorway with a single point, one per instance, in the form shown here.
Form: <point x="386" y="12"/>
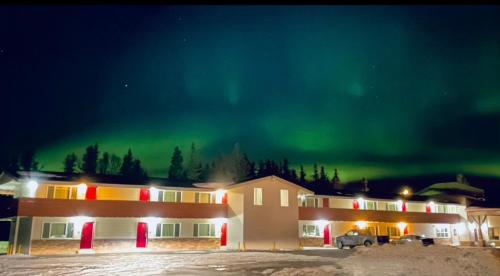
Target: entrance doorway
<point x="142" y="235"/>
<point x="87" y="235"/>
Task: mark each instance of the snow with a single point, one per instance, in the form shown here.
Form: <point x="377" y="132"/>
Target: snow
<point x="409" y="259"/>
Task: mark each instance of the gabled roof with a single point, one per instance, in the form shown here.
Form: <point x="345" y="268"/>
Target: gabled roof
<point x="271" y="177"/>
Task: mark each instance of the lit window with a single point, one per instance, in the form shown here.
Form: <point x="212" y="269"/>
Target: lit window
<point x="494" y="233"/>
<point x="310" y="230"/>
<point x="442" y="232"/>
<point x="257" y="196"/>
<point x="57" y="230"/>
<point x="312" y="202"/>
<point x="203" y="197"/>
<point x="284" y="198"/>
<point x="58" y="192"/>
<point x="392" y="206"/>
<point x="370" y="205"/>
<point x="167" y="230"/>
<point x="440" y="208"/>
<point x="169" y="196"/>
<point x="203" y="230"/>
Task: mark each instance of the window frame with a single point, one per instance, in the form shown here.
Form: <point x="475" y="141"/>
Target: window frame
<point x="305" y="230"/>
<point x="177" y="194"/>
<point x="256" y="193"/>
<point x="395" y="204"/>
<point x="197" y="197"/>
<point x="374" y="204"/>
<point x="67" y="227"/>
<point x="211" y="230"/>
<point x="284" y="198"/>
<point x="176" y="234"/>
<point x="72" y="192"/>
<point x="442" y="232"/>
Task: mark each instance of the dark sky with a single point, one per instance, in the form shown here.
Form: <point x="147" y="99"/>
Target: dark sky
<point x="374" y="91"/>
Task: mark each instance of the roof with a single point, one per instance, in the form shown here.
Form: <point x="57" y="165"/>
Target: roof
<point x="272" y="177"/>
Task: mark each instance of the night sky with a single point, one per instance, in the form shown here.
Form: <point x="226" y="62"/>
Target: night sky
<point x="372" y="91"/>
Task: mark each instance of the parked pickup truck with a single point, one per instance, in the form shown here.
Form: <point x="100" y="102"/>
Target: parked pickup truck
<point x="354" y="238"/>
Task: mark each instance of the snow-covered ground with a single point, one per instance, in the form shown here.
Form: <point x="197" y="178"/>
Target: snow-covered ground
<point x="410" y="259"/>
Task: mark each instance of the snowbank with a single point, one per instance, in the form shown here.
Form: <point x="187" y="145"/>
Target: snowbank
<point x="409" y="259"/>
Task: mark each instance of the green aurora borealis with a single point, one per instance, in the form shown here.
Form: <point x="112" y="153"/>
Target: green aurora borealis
<point x="372" y="91"/>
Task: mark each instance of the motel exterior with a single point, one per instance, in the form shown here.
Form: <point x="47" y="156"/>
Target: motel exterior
<point x="57" y="215"/>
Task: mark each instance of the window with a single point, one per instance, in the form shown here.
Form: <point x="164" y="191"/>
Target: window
<point x="203" y="197"/>
<point x="440" y="208"/>
<point x="352" y="233"/>
<point x="494" y="233"/>
<point x="393" y="231"/>
<point x="284" y="198"/>
<point x="168" y="230"/>
<point x="312" y="202"/>
<point x="392" y="206"/>
<point x="452" y="209"/>
<point x="58" y="192"/>
<point x="370" y="205"/>
<point x="203" y="230"/>
<point x="310" y="230"/>
<point x="57" y="230"/>
<point x="169" y="196"/>
<point x="442" y="232"/>
<point x="257" y="196"/>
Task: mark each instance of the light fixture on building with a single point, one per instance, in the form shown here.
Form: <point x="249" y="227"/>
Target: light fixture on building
<point x="81" y="190"/>
<point x="321" y="223"/>
<point x="219" y="195"/>
<point x="406" y="192"/>
<point x="361" y="224"/>
<point x="402" y="226"/>
<point x="32" y="185"/>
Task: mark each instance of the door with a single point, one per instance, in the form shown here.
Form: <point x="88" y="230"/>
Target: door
<point x="87" y="235"/>
<point x="326" y="235"/>
<point x="144" y="194"/>
<point x="142" y="235"/>
<point x="223" y="235"/>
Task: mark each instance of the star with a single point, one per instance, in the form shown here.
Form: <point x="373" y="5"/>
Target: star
<point x="125" y="85"/>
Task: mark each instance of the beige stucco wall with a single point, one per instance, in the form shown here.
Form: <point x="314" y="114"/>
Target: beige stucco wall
<point x="235" y="217"/>
<point x="269" y="223"/>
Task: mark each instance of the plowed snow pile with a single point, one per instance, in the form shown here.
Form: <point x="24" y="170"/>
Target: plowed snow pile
<point x="409" y="259"/>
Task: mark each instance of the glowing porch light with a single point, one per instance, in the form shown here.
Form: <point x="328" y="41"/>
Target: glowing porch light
<point x="81" y="190"/>
<point x="151" y="221"/>
<point x="78" y="222"/>
<point x="361" y="203"/>
<point x="32" y="185"/>
<point x="402" y="226"/>
<point x="219" y="195"/>
<point x="406" y="192"/>
<point x="361" y="224"/>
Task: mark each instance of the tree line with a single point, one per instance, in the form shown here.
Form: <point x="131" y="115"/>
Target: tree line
<point x="232" y="167"/>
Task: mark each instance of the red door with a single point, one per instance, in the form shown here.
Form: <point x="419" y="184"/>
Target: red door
<point x="144" y="194"/>
<point x="91" y="193"/>
<point x="223" y="235"/>
<point x="142" y="235"/>
<point x="326" y="235"/>
<point x="87" y="235"/>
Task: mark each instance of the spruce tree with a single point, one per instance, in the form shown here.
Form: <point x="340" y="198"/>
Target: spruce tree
<point x="175" y="171"/>
<point x="261" y="169"/>
<point x="89" y="159"/>
<point x="336" y="180"/>
<point x="194" y="167"/>
<point x="315" y="174"/>
<point x="70" y="164"/>
<point x="103" y="164"/>
<point x="302" y="176"/>
<point x="285" y="170"/>
<point x="127" y="164"/>
<point x="323" y="178"/>
<point x="115" y="164"/>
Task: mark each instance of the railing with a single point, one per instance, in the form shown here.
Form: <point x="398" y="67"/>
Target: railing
<point x="118" y="208"/>
<point x="338" y="214"/>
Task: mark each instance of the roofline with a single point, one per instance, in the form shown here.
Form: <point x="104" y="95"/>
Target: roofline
<point x="272" y="177"/>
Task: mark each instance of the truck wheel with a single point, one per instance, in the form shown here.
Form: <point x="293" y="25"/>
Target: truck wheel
<point x="368" y="243"/>
<point x="340" y="245"/>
